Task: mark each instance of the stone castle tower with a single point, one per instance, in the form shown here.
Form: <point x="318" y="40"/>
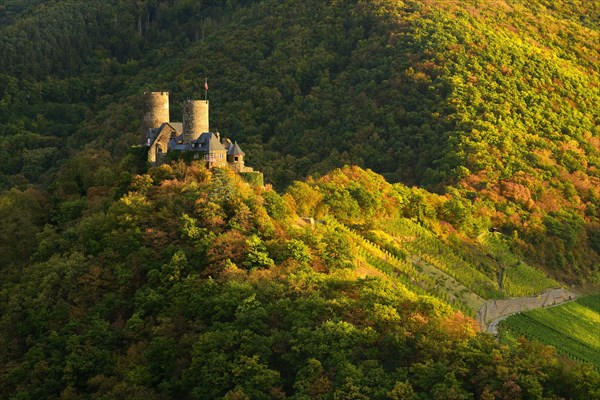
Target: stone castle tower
<point x="161" y="136"/>
<point x="195" y="119"/>
<point x="156" y="111"/>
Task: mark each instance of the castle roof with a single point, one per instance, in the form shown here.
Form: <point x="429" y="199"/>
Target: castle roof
<point x="213" y="145"/>
<point x="208" y="142"/>
<point x="226" y="143"/>
<point x="178" y="145"/>
<point x="153" y="133"/>
<point x="235" y="150"/>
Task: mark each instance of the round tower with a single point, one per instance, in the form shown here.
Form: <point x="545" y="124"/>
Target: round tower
<point x="156" y="111"/>
<point x="195" y="119"/>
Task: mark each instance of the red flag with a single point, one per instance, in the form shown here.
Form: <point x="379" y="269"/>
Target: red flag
<point x="205" y="85"/>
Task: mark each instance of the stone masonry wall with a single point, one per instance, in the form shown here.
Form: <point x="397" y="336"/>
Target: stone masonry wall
<point x="494" y="309"/>
<point x="156" y="111"/>
<point x="195" y="119"/>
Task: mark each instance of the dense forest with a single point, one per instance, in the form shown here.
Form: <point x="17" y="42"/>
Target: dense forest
<point x="493" y="102"/>
<point x="195" y="284"/>
<point x="446" y="119"/>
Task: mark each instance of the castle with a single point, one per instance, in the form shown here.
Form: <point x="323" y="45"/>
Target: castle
<point x="161" y="136"/>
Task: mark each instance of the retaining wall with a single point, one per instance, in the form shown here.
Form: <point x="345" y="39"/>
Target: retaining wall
<point x="494" y="309"/>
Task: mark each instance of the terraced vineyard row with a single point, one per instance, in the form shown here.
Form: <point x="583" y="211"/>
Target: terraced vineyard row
<point x="387" y="268"/>
<point x="524" y="280"/>
<point x="401" y="270"/>
<point x="572" y="328"/>
<point x="520" y="279"/>
<point x="389" y="263"/>
<point x="419" y="241"/>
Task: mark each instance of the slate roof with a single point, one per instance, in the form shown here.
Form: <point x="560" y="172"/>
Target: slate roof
<point x="178" y="145"/>
<point x="235" y="150"/>
<point x="226" y="143"/>
<point x="208" y="142"/>
<point x="154" y="132"/>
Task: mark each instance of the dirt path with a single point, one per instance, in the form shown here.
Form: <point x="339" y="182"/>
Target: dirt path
<point x="494" y="311"/>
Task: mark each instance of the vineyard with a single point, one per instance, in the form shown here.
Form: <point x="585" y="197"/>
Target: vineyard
<point x="518" y="278"/>
<point x="427" y="265"/>
<point x="572" y="328"/>
<point x="413" y="239"/>
<point x="479" y="268"/>
<point x="393" y="264"/>
<point x="524" y="280"/>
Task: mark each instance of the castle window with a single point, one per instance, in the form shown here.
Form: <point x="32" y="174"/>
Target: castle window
<point x="236" y="158"/>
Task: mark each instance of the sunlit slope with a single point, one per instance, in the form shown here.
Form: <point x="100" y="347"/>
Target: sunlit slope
<point x="572" y="328"/>
<point x="402" y="232"/>
<point x="184" y="282"/>
<point x="492" y="102"/>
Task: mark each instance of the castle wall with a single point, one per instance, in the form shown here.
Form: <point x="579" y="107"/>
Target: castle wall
<point x="195" y="119"/>
<point x="216" y="159"/>
<point x="160" y="147"/>
<point x="156" y="111"/>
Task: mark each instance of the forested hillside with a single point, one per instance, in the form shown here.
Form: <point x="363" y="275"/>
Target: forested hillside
<point x="494" y="102"/>
<point x="122" y="281"/>
<point x="196" y="285"/>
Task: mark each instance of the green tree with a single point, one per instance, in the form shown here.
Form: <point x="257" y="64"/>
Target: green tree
<point x="257" y="257"/>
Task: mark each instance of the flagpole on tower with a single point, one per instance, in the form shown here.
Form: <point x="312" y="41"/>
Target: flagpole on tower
<point x="205" y="89"/>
